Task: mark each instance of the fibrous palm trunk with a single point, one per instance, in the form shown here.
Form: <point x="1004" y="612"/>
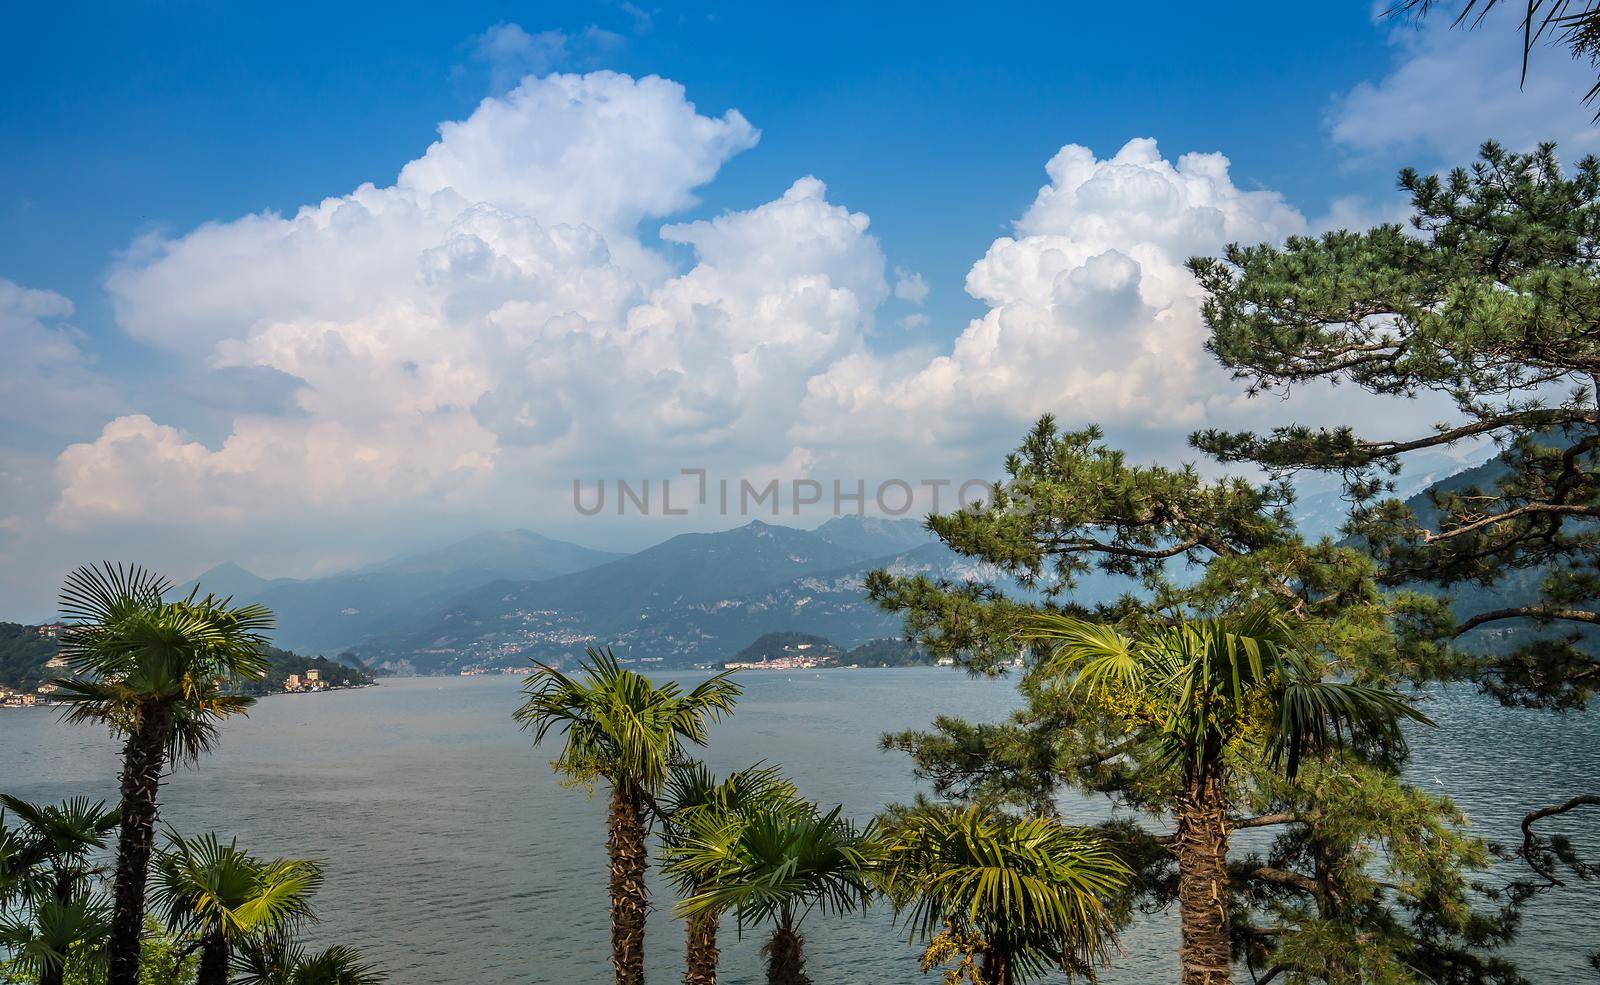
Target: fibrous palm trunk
<point x="143" y="758"/>
<point x="1205" y="953"/>
<point x="214" y="958"/>
<point x="997" y="968"/>
<point x="700" y="965"/>
<point x="53" y="974"/>
<point x="626" y="846"/>
<point x="786" y="959"/>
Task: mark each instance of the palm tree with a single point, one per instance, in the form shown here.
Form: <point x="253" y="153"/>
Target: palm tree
<point x="1199" y="691"/>
<point x="276" y="960"/>
<point x="51" y="851"/>
<point x="1020" y="894"/>
<point x="692" y="794"/>
<point x="223" y="897"/>
<point x="776" y="865"/>
<point x="48" y="864"/>
<point x="157" y="673"/>
<point x="622" y="728"/>
<point x="52" y="933"/>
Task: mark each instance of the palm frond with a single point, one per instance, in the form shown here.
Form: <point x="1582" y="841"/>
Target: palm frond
<point x="775" y="865"/>
<point x="135" y="654"/>
<point x="1096" y="655"/>
<point x="1316" y="716"/>
<point x="1032" y="887"/>
<point x="1192" y="685"/>
<point x="338" y="965"/>
<point x="210" y="887"/>
<point x="619" y="724"/>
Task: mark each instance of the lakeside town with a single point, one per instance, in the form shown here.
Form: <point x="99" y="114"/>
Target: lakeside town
<point x="31" y="664"/>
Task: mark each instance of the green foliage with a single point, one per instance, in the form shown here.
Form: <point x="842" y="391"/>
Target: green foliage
<point x="888" y="653"/>
<point x="1493" y="305"/>
<point x="696" y="802"/>
<point x="282" y="663"/>
<point x="55" y="915"/>
<point x="1028" y="889"/>
<point x="1406" y="866"/>
<point x="55" y="934"/>
<point x="768" y="646"/>
<point x="1191" y="549"/>
<point x="23" y="655"/>
<point x="1196" y="687"/>
<point x="775" y="863"/>
<point x="51" y="914"/>
<point x="276" y="959"/>
<point x="619" y="725"/>
<point x="210" y="889"/>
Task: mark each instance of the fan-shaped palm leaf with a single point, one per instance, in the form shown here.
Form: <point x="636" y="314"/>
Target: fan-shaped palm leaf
<point x="275" y="959"/>
<point x="619" y="724"/>
<point x="53" y="932"/>
<point x="1032" y="890"/>
<point x="224" y="896"/>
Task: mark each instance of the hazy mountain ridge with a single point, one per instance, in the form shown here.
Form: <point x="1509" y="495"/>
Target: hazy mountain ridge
<point x="767" y="579"/>
<point x="694" y="596"/>
<point x="335" y="612"/>
<point x="499" y="599"/>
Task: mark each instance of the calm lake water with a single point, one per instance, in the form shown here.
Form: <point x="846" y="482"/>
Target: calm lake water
<point x="455" y="856"/>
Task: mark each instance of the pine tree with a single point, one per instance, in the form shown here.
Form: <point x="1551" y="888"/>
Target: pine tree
<point x="1494" y="304"/>
<point x="1491" y="302"/>
<point x="1364" y="878"/>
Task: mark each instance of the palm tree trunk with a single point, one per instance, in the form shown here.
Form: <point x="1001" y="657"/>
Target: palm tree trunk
<point x="997" y="968"/>
<point x="213" y="961"/>
<point x="700" y="964"/>
<point x="786" y="959"/>
<point x="626" y="846"/>
<point x="143" y="758"/>
<point x="53" y="974"/>
<point x="1205" y="953"/>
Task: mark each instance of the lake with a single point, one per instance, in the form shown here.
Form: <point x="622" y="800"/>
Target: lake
<point x="455" y="856"/>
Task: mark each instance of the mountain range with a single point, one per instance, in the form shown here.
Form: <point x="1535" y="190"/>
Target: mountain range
<point x="694" y="598"/>
<point x="498" y="599"/>
<point x="338" y="612"/>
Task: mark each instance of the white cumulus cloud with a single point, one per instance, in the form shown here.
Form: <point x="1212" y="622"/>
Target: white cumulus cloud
<point x="1092" y="314"/>
<point x="490" y="319"/>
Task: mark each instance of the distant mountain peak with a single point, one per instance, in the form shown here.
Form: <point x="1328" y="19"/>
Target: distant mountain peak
<point x="516" y="554"/>
<point x="229" y="578"/>
<point x="871" y="536"/>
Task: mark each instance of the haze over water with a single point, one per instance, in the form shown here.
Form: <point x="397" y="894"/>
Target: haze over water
<point x="455" y="856"/>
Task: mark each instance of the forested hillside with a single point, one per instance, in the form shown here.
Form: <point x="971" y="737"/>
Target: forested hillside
<point x="23" y="653"/>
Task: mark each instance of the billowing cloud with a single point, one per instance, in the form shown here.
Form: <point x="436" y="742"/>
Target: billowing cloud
<point x="489" y="319"/>
<point x="1091" y="313"/>
<point x="1451" y="88"/>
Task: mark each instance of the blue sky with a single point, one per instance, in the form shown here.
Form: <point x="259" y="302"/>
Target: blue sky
<point x="236" y="335"/>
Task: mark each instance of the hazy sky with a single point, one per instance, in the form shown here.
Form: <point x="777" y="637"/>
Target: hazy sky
<point x="309" y="285"/>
